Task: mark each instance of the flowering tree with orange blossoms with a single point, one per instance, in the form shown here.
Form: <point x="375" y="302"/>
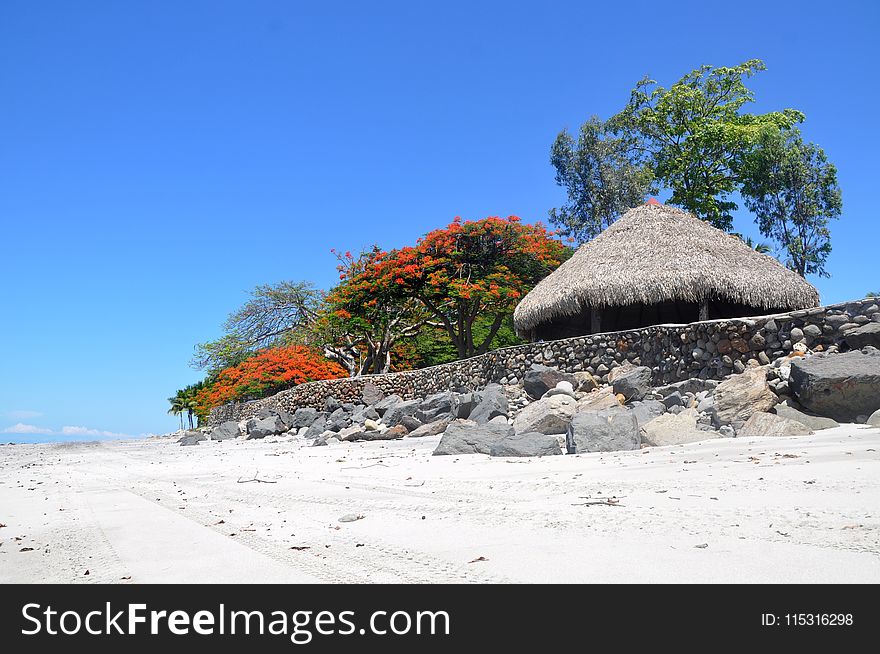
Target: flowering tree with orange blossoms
<point x="467" y="270"/>
<point x="268" y="372"/>
<point x="364" y="321"/>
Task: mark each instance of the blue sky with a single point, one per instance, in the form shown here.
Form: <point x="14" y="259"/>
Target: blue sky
<point x="159" y="159"/>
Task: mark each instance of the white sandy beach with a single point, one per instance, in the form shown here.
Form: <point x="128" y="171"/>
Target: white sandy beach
<point x="798" y="509"/>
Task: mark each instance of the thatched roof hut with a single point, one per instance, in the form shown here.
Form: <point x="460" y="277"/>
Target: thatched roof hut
<point x="656" y="265"/>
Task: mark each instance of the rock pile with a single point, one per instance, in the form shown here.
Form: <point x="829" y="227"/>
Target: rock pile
<point x="551" y="412"/>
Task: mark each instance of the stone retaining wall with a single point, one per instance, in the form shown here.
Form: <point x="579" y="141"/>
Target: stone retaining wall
<point x="709" y="350"/>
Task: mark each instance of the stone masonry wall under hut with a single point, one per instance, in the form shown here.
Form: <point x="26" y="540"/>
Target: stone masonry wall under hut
<point x="708" y="350"/>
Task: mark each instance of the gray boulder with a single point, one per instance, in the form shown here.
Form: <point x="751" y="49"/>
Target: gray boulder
<point x="493" y="403"/>
<point x="647" y="410"/>
<point x="371" y="394"/>
<point x="398" y="410"/>
<point x="269" y="412"/>
<point x="540" y="379"/>
<point x="691" y="385"/>
<point x="386" y="403"/>
<point x="316" y="428"/>
<point x="839" y="386"/>
<point x="741" y="395"/>
<point x="867" y="334"/>
<point x="633" y="385"/>
<point x="351" y="433"/>
<point x="192" y="438"/>
<point x="262" y="427"/>
<point x="367" y="413"/>
<point x="331" y="404"/>
<point x="608" y="430"/>
<point x="464" y="403"/>
<point x="527" y="444"/>
<point x="675" y="429"/>
<point x="434" y="407"/>
<point x="410" y="423"/>
<point x="562" y="388"/>
<point x="395" y="433"/>
<point x="339" y="419"/>
<point x="598" y="400"/>
<point x="813" y="422"/>
<point x="431" y="429"/>
<point x="225" y="431"/>
<point x="549" y="415"/>
<point x="673" y="399"/>
<point x="468" y="437"/>
<point x="770" y="424"/>
<point x="874" y="419"/>
<point x="304" y="417"/>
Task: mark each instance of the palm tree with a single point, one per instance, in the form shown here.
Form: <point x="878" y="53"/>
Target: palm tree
<point x="178" y="406"/>
<point x="763" y="248"/>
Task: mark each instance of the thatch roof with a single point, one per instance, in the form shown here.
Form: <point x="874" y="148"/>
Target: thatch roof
<point x="654" y="253"/>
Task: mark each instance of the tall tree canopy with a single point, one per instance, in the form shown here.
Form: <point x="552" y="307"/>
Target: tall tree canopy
<point x="603" y="173"/>
<point x="468" y="270"/>
<point x="792" y="189"/>
<point x="697" y="136"/>
<point x="362" y="321"/>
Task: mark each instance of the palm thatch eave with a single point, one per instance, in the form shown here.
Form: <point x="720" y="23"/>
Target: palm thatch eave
<point x="656" y="253"/>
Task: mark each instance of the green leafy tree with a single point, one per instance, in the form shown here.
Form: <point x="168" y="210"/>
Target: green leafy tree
<point x="792" y="189"/>
<point x="696" y="135"/>
<point x="763" y="248"/>
<point x="467" y="270"/>
<point x="603" y="175"/>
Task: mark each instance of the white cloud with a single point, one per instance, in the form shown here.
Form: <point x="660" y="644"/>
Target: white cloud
<point x="21" y="428"/>
<point x="23" y="414"/>
<point x="70" y="430"/>
<point x="67" y="430"/>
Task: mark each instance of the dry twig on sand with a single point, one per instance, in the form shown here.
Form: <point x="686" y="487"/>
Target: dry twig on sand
<point x="605" y="501"/>
<point x="255" y="478"/>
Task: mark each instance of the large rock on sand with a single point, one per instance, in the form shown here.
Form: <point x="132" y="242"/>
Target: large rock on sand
<point x="839" y="386"/>
<point x="550" y="415"/>
<point x="598" y="400"/>
<point x="647" y="410"/>
<point x="770" y="424"/>
<point x="540" y="379"/>
<point x="304" y="417"/>
<point x="468" y="437"/>
<point x="493" y="403"/>
<point x="675" y="429"/>
<point x="874" y="419"/>
<point x="396" y="413"/>
<point x="431" y="429"/>
<point x="527" y="444"/>
<point x="225" y="431"/>
<point x="633" y="385"/>
<point x="608" y="430"/>
<point x="739" y="396"/>
<point x="262" y="427"/>
<point x="192" y="438"/>
<point x="813" y="422"/>
<point x="435" y="407"/>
